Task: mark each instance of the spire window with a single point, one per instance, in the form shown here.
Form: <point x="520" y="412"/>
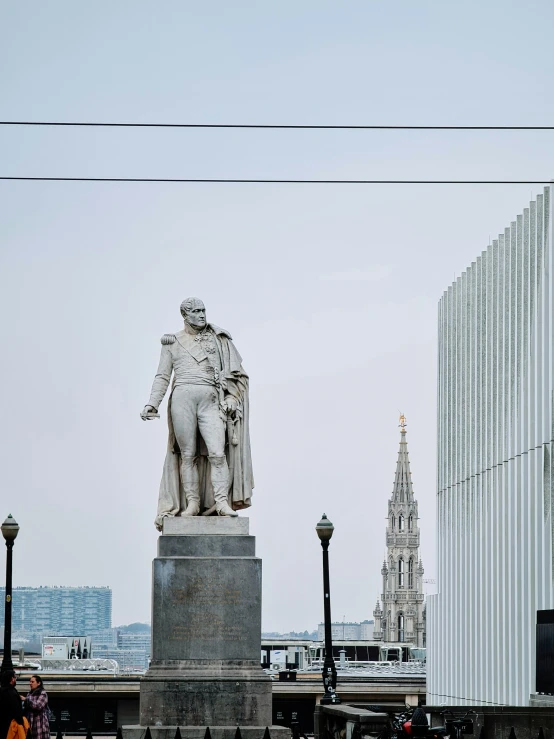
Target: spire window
<point x="411" y="572"/>
<point x="410" y="522"/>
<point x="400" y="627"/>
<point x="393" y="521"/>
<point x="400" y="522"/>
<point x="400" y="572"/>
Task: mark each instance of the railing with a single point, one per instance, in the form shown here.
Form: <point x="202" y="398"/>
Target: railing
<point x="513" y="734"/>
<point x="99" y="664"/>
<point x="207" y="735"/>
<point x="408" y="593"/>
<point x="483" y="734"/>
<point x="338" y="722"/>
<point x="403" y="540"/>
<point x="493" y="721"/>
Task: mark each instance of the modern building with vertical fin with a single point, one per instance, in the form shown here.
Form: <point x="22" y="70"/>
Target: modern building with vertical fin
<point x="495" y="475"/>
<point x="401" y="617"/>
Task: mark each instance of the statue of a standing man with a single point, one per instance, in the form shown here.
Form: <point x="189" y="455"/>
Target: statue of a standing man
<point x="208" y="467"/>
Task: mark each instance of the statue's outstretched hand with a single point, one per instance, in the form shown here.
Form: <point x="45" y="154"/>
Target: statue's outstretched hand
<point x="231" y="404"/>
<point x="149" y="412"/>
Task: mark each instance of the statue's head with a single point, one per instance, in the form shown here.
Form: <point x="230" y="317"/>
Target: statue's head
<point x="194" y="312"/>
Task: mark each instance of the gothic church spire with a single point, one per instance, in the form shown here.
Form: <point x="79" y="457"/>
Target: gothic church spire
<point x="403" y="491"/>
<point x="401" y="617"/>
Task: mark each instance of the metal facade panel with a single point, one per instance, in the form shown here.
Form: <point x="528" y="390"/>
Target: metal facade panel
<point x="494" y="468"/>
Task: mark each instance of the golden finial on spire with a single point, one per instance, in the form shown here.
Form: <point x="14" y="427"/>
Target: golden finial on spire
<point x="402" y="423"/>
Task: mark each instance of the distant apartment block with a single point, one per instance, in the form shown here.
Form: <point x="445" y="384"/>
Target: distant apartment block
<point x="347" y="631"/>
<point x="59" y="610"/>
<point x="131" y="641"/>
<point x="129" y="660"/>
<point x="131" y="650"/>
<point x="366" y="630"/>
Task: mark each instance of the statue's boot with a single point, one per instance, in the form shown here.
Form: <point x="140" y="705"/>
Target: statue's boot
<point x="191" y="486"/>
<point x="220" y="482"/>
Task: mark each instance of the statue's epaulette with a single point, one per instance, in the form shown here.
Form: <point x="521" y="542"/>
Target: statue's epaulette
<point x="168" y="339"/>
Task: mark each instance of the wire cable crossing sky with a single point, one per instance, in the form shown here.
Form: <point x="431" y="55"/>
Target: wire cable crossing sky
<point x="334" y="127"/>
<point x="278" y="182"/>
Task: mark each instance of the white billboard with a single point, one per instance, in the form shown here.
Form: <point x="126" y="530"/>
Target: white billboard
<point x="66" y="647"/>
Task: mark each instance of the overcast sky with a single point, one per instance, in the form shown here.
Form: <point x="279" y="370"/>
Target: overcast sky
<point x="330" y="292"/>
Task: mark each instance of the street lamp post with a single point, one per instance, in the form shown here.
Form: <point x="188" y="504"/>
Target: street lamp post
<point x="10" y="530"/>
<point x="325" y="531"/>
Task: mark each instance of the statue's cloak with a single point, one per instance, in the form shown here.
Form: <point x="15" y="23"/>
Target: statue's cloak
<point x="237" y="445"/>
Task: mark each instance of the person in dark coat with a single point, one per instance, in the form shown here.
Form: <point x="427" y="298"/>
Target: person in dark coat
<point x="10" y="702"/>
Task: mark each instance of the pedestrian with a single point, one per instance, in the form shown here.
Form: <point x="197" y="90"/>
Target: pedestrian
<point x="36" y="709"/>
<point x="10" y="703"/>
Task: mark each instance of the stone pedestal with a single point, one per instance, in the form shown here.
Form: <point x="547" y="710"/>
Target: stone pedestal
<point x="206" y="634"/>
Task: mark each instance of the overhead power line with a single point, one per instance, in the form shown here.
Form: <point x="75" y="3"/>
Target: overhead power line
<point x="471" y="700"/>
<point x="279" y="182"/>
<point x="277" y="126"/>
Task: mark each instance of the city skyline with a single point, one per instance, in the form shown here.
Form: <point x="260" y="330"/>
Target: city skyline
<point x="24" y="612"/>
